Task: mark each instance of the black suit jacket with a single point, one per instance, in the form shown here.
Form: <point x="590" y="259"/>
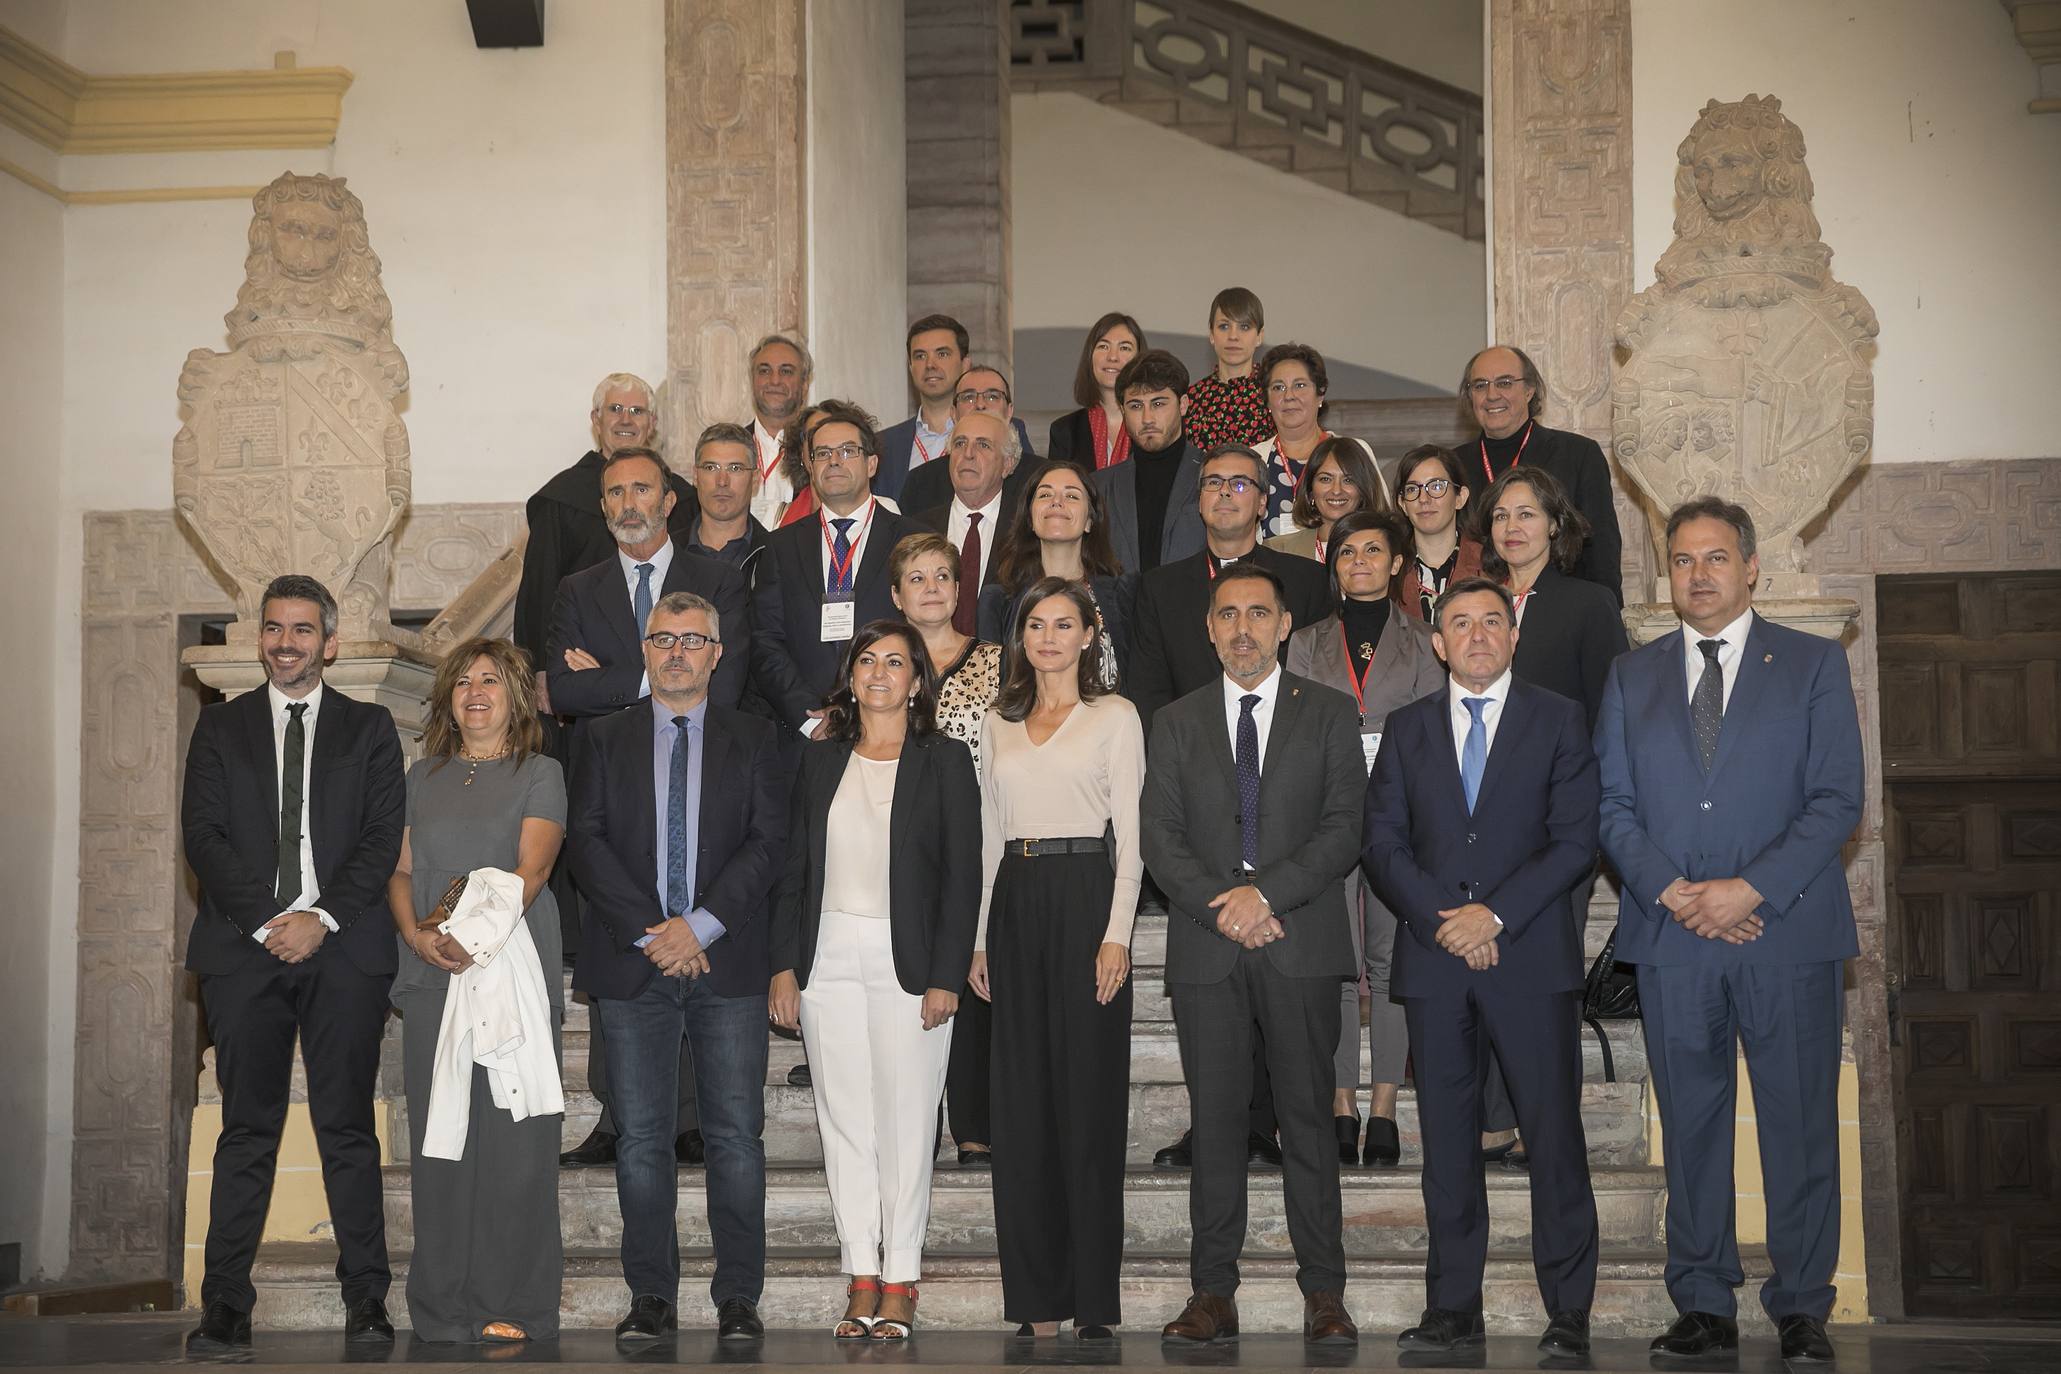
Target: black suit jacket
<point x="1523" y="853"/>
<point x="934" y="864"/>
<point x="594" y="613"/>
<point x="1576" y="462"/>
<point x="1309" y="828"/>
<point x="1171" y="654"/>
<point x="894" y="473"/>
<point x="1069" y="440"/>
<point x="939" y="519"/>
<point x="930" y="488"/>
<point x="1570" y="635"/>
<point x="229" y="814"/>
<point x="611" y="839"/>
<point x="567" y="533"/>
<point x="795" y="670"/>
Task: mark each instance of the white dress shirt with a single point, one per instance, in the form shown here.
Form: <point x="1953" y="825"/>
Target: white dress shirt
<point x="860" y="531"/>
<point x="661" y="563"/>
<point x="955" y="531"/>
<point x="1729" y="654"/>
<point x="1491" y="715"/>
<point x="311" y="887"/>
<point x="770" y="497"/>
<point x="1267" y="689"/>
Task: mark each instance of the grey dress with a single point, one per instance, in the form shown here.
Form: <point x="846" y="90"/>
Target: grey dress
<point x="487" y="1243"/>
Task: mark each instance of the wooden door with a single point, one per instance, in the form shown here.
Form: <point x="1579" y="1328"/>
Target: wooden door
<point x="1970" y="752"/>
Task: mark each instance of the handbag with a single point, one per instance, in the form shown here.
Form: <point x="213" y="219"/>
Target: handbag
<point x="447" y="908"/>
<point x="1609" y="993"/>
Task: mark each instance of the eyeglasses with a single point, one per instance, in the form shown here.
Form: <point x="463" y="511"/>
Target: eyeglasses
<point x="666" y="639"/>
<point x="1237" y="486"/>
<point x="1435" y="488"/>
<point x="1480" y="385"/>
<point x="991" y="396"/>
<point x="618" y="408"/>
<point x="850" y="453"/>
<point x="733" y="469"/>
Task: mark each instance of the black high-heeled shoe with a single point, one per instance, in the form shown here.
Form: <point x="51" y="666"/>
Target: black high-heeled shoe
<point x="1347" y="1129"/>
<point x="1384" y="1143"/>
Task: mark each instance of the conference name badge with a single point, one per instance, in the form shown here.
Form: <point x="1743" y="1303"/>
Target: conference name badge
<point x="1370" y="745"/>
<point x="840" y="621"/>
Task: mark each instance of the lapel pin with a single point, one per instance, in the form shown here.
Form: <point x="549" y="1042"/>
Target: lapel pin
<point x="1767" y="658"/>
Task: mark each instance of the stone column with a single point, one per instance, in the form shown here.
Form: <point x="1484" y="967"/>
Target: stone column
<point x="957" y="69"/>
<point x="736" y="264"/>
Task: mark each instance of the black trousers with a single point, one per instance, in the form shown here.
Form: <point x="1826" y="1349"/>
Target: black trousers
<point x="967" y="1071"/>
<point x="1295" y="1022"/>
<point x="1537" y="1039"/>
<point x="1064" y="1065"/>
<point x="253" y="1016"/>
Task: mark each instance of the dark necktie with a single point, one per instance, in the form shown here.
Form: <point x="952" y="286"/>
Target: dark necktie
<point x="841" y="561"/>
<point x="969" y="576"/>
<point x="679" y="899"/>
<point x="1248" y="780"/>
<point x="1474" y="749"/>
<point x="289" y="887"/>
<point x="641" y="602"/>
<point x="1707" y="706"/>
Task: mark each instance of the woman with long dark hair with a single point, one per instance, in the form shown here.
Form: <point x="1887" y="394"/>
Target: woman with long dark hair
<point x="1061" y="862"/>
<point x="1060" y="531"/>
<point x="1093" y="436"/>
<point x="1293" y="379"/>
<point x="871" y="941"/>
<point x="1339" y="479"/>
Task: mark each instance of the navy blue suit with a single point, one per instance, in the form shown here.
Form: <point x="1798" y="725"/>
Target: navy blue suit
<point x="1780" y="799"/>
<point x="1525" y="852"/>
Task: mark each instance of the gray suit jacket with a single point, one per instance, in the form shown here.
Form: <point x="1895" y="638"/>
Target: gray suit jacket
<point x="1405" y="667"/>
<point x="1311" y="788"/>
<point x="1180" y="536"/>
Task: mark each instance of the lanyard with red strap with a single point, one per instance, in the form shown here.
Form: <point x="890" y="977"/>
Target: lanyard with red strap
<point x="839" y="568"/>
<point x="1295" y="488"/>
<point x="924" y="449"/>
<point x="766" y="465"/>
<point x="1489" y="471"/>
<point x="1359" y="678"/>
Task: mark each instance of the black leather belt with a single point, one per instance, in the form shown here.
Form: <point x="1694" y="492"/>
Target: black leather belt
<point x="1038" y="849"/>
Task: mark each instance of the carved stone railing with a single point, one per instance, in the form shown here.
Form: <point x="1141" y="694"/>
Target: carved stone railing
<point x="1243" y="80"/>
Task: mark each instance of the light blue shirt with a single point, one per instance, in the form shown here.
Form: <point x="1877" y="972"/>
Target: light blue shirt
<point x="700" y="920"/>
<point x="661" y="564"/>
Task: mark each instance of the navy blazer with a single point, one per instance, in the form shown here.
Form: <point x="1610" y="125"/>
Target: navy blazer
<point x="1781" y="798"/>
<point x="611" y="840"/>
<point x="896" y="441"/>
<point x="1525" y="852"/>
<point x="229" y="819"/>
<point x="792" y="667"/>
<point x="593" y="612"/>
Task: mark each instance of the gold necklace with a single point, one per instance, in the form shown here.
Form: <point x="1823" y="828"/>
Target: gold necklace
<point x="473" y="761"/>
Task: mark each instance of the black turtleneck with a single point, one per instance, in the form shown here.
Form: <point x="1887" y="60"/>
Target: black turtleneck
<point x="1364" y="621"/>
<point x="1155" y="483"/>
<point x="1502" y="453"/>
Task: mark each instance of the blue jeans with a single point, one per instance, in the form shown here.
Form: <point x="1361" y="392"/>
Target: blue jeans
<point x="727" y="1037"/>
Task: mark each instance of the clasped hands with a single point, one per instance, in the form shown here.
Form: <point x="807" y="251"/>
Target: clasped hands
<point x="296" y="935"/>
<point x="1717" y="909"/>
<point x="1245" y="918"/>
<point x="675" y="950"/>
<point x="1469" y="932"/>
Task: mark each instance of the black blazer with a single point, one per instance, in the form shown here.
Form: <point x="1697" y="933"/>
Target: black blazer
<point x="229" y="814"/>
<point x="1069" y="440"/>
<point x="594" y="613"/>
<point x="1171" y="654"/>
<point x="611" y="840"/>
<point x="1576" y="462"/>
<point x="1524" y="852"/>
<point x="795" y="670"/>
<point x="930" y="488"/>
<point x="1570" y="635"/>
<point x="934" y="865"/>
<point x="893" y="472"/>
<point x="1310" y="793"/>
<point x="938" y="518"/>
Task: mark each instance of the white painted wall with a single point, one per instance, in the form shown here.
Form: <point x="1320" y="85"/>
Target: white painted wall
<point x="1440" y="38"/>
<point x="858" y="278"/>
<point x="1114" y="213"/>
<point x="1939" y="194"/>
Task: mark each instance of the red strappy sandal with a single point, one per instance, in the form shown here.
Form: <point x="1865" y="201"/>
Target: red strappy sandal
<point x="890" y="1329"/>
<point x="857" y="1328"/>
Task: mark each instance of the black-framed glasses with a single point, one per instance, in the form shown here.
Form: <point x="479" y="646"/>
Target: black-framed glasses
<point x="1480" y="385"/>
<point x="666" y="639"/>
<point x="1237" y="486"/>
<point x="1435" y="488"/>
<point x="850" y="453"/>
<point x="993" y="396"/>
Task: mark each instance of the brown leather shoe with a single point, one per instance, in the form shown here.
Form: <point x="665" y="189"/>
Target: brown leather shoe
<point x="1326" y="1322"/>
<point x="1207" y="1319"/>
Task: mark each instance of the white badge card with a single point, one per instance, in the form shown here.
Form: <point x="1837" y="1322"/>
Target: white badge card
<point x="1370" y="745"/>
<point x="840" y="621"/>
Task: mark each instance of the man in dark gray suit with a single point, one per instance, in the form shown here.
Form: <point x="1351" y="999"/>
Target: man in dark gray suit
<point x="1152" y="513"/>
<point x="1251" y="816"/>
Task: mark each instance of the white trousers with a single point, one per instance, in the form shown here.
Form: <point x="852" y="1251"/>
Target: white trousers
<point x="879" y="1077"/>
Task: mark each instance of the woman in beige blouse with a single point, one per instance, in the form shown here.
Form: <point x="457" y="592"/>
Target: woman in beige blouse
<point x="1065" y="763"/>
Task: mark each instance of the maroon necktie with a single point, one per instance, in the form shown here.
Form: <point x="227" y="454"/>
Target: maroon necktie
<point x="969" y="576"/>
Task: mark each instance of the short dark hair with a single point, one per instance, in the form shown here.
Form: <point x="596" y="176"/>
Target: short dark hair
<point x="931" y="323"/>
<point x="843" y="413"/>
<point x="1715" y="508"/>
<point x="1251" y="455"/>
<point x="723" y="432"/>
<point x="1086" y="394"/>
<point x="982" y="365"/>
<point x="1532" y="379"/>
<point x="665" y="474"/>
<point x="841" y="710"/>
<point x="1401" y="535"/>
<point x="1153" y="370"/>
<point x="1020" y="559"/>
<point x="301" y="587"/>
<point x="1019" y="694"/>
<point x="1465" y="585"/>
<point x="1352" y="460"/>
<point x="1569" y="528"/>
<point x="1238" y="305"/>
<point x="1429" y="453"/>
<point x="1302" y="353"/>
<point x="1245" y="570"/>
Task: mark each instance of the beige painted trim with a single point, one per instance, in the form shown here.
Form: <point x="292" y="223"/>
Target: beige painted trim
<point x="62" y="107"/>
<point x="139" y="196"/>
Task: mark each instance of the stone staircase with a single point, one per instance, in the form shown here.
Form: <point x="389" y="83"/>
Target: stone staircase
<point x="1384" y="1213"/>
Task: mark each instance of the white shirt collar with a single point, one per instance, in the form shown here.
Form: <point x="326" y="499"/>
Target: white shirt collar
<point x="280" y="701"/>
<point x="988" y="513"/>
<point x="1733" y="634"/>
<point x="1498" y="691"/>
<point x="1266" y="689"/>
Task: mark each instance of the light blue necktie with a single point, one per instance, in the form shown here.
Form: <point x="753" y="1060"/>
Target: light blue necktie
<point x="679" y="877"/>
<point x="641" y="602"/>
<point x="1474" y="752"/>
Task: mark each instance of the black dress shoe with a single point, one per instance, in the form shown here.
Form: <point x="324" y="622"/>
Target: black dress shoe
<point x="1176" y="1155"/>
<point x="1518" y="1160"/>
<point x="798" y="1076"/>
<point x="1566" y="1334"/>
<point x="366" y="1323"/>
<point x="1262" y="1151"/>
<point x="1443" y="1329"/>
<point x="976" y="1159"/>
<point x="1803" y="1338"/>
<point x="738" y="1320"/>
<point x="648" y="1319"/>
<point x="1384" y="1144"/>
<point x="688" y="1149"/>
<point x="1496" y="1154"/>
<point x="597" y="1151"/>
<point x="1347" y="1129"/>
<point x="1697" y="1336"/>
<point x="222" y="1329"/>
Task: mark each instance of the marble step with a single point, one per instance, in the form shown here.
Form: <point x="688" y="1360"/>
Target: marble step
<point x="1383" y="1210"/>
<point x="1612" y="1118"/>
<point x="297" y="1290"/>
